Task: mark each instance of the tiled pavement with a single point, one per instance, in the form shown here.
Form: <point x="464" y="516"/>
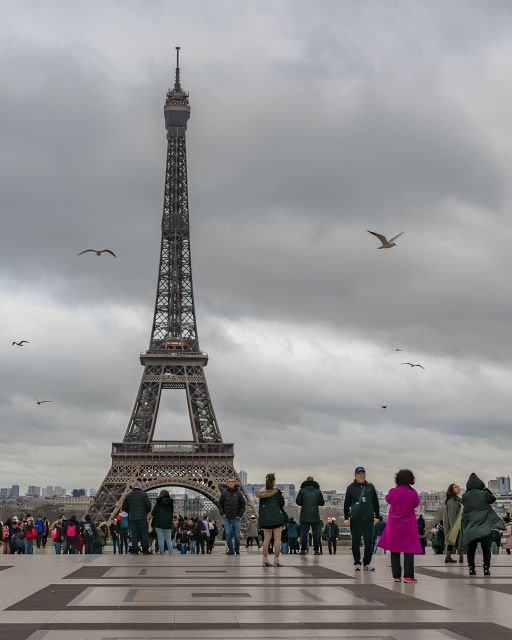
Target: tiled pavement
<point x="116" y="597"/>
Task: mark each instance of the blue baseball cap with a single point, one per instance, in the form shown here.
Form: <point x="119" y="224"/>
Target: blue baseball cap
<point x="360" y="470"/>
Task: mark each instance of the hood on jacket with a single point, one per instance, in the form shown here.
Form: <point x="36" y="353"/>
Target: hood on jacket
<point x="266" y="493"/>
<point x="474" y="482"/>
<point x="164" y="500"/>
<point x="310" y="484"/>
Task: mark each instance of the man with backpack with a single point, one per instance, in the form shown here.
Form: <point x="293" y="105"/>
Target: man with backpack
<point x="361" y="510"/>
<point x="88" y="534"/>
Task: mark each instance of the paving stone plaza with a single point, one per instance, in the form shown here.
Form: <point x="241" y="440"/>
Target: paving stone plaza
<point x="114" y="597"/>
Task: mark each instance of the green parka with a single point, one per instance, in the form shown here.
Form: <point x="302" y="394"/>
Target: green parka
<point x="478" y="519"/>
<point x="309" y="499"/>
<point x="271" y="514"/>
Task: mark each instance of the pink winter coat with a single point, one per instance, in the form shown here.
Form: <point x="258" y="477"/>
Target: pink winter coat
<point x="401" y="532"/>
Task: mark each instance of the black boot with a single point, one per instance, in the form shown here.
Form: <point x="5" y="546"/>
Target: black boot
<point x="487" y="570"/>
<point x="472" y="570"/>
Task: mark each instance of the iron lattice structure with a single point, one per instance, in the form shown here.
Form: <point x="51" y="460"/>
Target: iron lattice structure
<point x="173" y="360"/>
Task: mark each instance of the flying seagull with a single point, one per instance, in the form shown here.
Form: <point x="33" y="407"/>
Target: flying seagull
<point x="384" y="406"/>
<point x="398" y="349"/>
<point x="386" y="244"/>
<point x="41" y="401"/>
<point x="411" y="364"/>
<point x="98" y="252"/>
<point x="20" y="343"/>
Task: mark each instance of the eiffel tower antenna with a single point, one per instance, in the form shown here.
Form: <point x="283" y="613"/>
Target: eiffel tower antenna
<point x="177" y="85"/>
<point x="173" y="362"/>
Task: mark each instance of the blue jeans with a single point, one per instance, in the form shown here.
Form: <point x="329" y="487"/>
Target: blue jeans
<point x="29" y="545"/>
<point x="116" y="544"/>
<point x="164" y="537"/>
<point x="232" y="531"/>
<point x="58" y="547"/>
<point x="193" y="546"/>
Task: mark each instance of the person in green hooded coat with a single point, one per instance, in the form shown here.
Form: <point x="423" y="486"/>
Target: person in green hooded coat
<point x="452" y="520"/>
<point x="479" y="521"/>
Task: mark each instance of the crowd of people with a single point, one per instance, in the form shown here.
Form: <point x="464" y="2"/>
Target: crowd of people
<point x="468" y="521"/>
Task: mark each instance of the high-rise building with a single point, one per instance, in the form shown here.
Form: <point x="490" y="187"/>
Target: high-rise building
<point x="15" y="491"/>
<point x="243" y="476"/>
<point x="59" y="491"/>
<point x="78" y="493"/>
<point x="33" y="491"/>
<point x="493" y="486"/>
<point x="503" y="484"/>
<point x="5" y="492"/>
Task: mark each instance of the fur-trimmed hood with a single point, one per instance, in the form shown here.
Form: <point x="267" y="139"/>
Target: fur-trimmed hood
<point x="266" y="493"/>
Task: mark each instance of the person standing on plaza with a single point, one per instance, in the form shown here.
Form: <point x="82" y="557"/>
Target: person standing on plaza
<point x="252" y="532"/>
<point x="88" y="534"/>
<point x="214" y="532"/>
<point x="114" y="535"/>
<point x="41" y="528"/>
<point x="31" y="534"/>
<point x="309" y="499"/>
<point x="123" y="530"/>
<point x="361" y="510"/>
<point x="401" y="532"/>
<point x="331" y="535"/>
<point x="137" y="505"/>
<point x="232" y="508"/>
<point x="293" y="535"/>
<point x="163" y="513"/>
<point x="56" y="535"/>
<point x="272" y="518"/>
<point x="452" y="522"/>
<point x="479" y="520"/>
<point x="71" y="531"/>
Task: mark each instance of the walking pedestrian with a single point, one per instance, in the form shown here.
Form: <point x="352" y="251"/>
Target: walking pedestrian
<point x="309" y="499"/>
<point x="361" y="510"/>
<point x="452" y="521"/>
<point x="41" y="528"/>
<point x="46" y="531"/>
<point x="232" y="508"/>
<point x="252" y="532"/>
<point x="214" y="532"/>
<point x="31" y="534"/>
<point x="114" y="535"/>
<point x="163" y="513"/>
<point x="479" y="520"/>
<point x="332" y="534"/>
<point x="272" y="518"/>
<point x="422" y="532"/>
<point x="71" y="531"/>
<point x="137" y="505"/>
<point x="401" y="532"/>
<point x="56" y="535"/>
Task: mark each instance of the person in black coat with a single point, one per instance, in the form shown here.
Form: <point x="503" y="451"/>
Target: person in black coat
<point x="138" y="505"/>
<point x="232" y="508"/>
<point x="163" y="513"/>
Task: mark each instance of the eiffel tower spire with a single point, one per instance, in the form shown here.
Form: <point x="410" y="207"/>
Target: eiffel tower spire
<point x="173" y="360"/>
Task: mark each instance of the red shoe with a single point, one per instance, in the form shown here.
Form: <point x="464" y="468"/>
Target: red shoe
<point x="410" y="580"/>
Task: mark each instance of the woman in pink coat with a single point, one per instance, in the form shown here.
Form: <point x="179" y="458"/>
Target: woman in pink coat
<point x="401" y="532"/>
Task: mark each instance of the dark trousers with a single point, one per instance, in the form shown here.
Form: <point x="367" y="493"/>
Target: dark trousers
<point x="210" y="544"/>
<point x="89" y="544"/>
<point x="396" y="567"/>
<point x="293" y="543"/>
<point x="250" y="539"/>
<point x="332" y="545"/>
<point x="486" y="544"/>
<point x="123" y="541"/>
<point x="139" y="531"/>
<point x="304" y="531"/>
<point x="202" y="542"/>
<point x="364" y="529"/>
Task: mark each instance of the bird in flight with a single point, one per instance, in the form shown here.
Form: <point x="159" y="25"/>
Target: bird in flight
<point x="20" y="343"/>
<point x="398" y="349"/>
<point x="98" y="252"/>
<point x="384" y="406"/>
<point x="385" y="243"/>
<point x="41" y="401"/>
<point x="412" y="364"/>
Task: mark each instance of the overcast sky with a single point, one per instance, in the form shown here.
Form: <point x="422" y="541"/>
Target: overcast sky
<point x="311" y="123"/>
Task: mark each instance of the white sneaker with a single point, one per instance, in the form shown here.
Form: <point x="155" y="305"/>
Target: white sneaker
<point x="357" y="567"/>
<point x="369" y="567"/>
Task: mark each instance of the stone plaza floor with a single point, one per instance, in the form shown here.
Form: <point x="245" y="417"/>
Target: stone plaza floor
<point x="113" y="597"/>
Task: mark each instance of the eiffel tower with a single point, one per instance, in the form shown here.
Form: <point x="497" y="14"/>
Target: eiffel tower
<point x="173" y="360"/>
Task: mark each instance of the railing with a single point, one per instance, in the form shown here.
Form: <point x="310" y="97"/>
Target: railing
<point x="170" y="446"/>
